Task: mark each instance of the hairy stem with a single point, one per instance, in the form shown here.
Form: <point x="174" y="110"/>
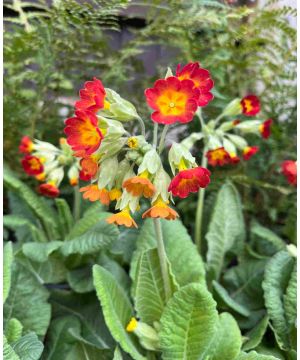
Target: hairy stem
<point x="76" y="203"/>
<point x="155" y="131"/>
<point x="162" y="139"/>
<point x="162" y="258"/>
<point x="142" y="124"/>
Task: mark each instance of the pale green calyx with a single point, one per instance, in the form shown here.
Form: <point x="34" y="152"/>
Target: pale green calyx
<point x="229" y="146"/>
<point x="177" y="153"/>
<point x="233" y="108"/>
<point x="114" y="129"/>
<point x="227" y="125"/>
<point x="124" y="171"/>
<point x="108" y="173"/>
<point x="190" y="140"/>
<point x="249" y="126"/>
<point x="161" y="183"/>
<point x="238" y="141"/>
<point x="109" y="147"/>
<point x="151" y="162"/>
<point x="169" y="73"/>
<point x="213" y="142"/>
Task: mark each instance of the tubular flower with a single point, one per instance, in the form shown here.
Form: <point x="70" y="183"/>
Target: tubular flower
<point x="201" y="79"/>
<point x="218" y="157"/>
<point x="160" y="209"/>
<point x="89" y="166"/>
<point x="83" y="134"/>
<point x="115" y="194"/>
<point x="49" y="189"/>
<point x="289" y="170"/>
<point x="73" y="181"/>
<point x="249" y="151"/>
<point x="173" y="100"/>
<point x="189" y="181"/>
<point x="93" y="193"/>
<point x="122" y="218"/>
<point x="265" y="128"/>
<point x="26" y="145"/>
<point x="250" y="105"/>
<point x="92" y="96"/>
<point x="32" y="165"/>
<point x="234" y="159"/>
<point x="140" y="185"/>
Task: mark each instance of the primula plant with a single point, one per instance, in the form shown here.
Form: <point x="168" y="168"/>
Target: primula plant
<point x="159" y="298"/>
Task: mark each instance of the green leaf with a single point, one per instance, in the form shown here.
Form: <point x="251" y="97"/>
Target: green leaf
<point x="229" y="301"/>
<point x="80" y="279"/>
<point x="255" y="335"/>
<point x="253" y="355"/>
<point x="28" y="347"/>
<point x="148" y="287"/>
<point x="13" y="330"/>
<point x="40" y="252"/>
<point x="117" y="354"/>
<point x="27" y="301"/>
<point x="226" y="229"/>
<point x="65" y="217"/>
<point x="188" y="323"/>
<point x="227" y="340"/>
<point x="184" y="258"/>
<point x="8" y="258"/>
<point x="99" y="237"/>
<point x="8" y="352"/>
<point x="117" y="310"/>
<point x="290" y="299"/>
<point x="277" y="275"/>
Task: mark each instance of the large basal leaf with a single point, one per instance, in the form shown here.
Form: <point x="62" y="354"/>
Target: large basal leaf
<point x="7" y="264"/>
<point x="65" y="217"/>
<point x="39" y="252"/>
<point x="117" y="310"/>
<point x="184" y="258"/>
<point x="226" y="299"/>
<point x="255" y="335"/>
<point x="277" y="276"/>
<point x="148" y="287"/>
<point x="8" y="352"/>
<point x="28" y="347"/>
<point x="27" y="301"/>
<point x="188" y="324"/>
<point x="226" y="229"/>
<point x="227" y="340"/>
<point x="290" y="299"/>
<point x="253" y="355"/>
<point x="98" y="237"/>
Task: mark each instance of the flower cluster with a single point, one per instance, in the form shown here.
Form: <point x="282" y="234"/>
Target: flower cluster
<point x="46" y="163"/>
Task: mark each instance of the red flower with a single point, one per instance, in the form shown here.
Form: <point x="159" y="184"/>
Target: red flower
<point x="189" y="181"/>
<point x="173" y="100"/>
<point x="250" y="105"/>
<point x="201" y="79"/>
<point x="265" y="128"/>
<point x="84" y="176"/>
<point x="32" y="165"/>
<point x="92" y="96"/>
<point x="26" y="145"/>
<point x="89" y="166"/>
<point x="289" y="170"/>
<point x="218" y="157"/>
<point x="49" y="190"/>
<point x="249" y="151"/>
<point x="83" y="134"/>
<point x="234" y="159"/>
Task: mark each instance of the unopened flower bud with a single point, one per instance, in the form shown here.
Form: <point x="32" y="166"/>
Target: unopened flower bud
<point x="151" y="162"/>
<point x="147" y="335"/>
<point x="178" y="154"/>
<point x="109" y="168"/>
<point x="233" y="108"/>
<point x="238" y="141"/>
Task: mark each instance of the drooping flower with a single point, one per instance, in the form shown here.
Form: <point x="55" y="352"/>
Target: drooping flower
<point x="218" y="157"/>
<point x="249" y="151"/>
<point x="234" y="159"/>
<point x="189" y="181"/>
<point x="265" y="128"/>
<point x="132" y="325"/>
<point x="250" y="105"/>
<point x="173" y="100"/>
<point x="41" y="176"/>
<point x="32" y="165"/>
<point x="122" y="218"/>
<point x="201" y="79"/>
<point x="289" y="170"/>
<point x="26" y="145"/>
<point x="84" y="176"/>
<point x="49" y="189"/>
<point x="73" y="181"/>
<point x="115" y="194"/>
<point x="93" y="193"/>
<point x="89" y="166"/>
<point x="92" y="96"/>
<point x="83" y="133"/>
<point x="160" y="209"/>
<point x="140" y="185"/>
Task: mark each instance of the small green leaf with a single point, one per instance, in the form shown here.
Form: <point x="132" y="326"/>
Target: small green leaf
<point x="65" y="217"/>
<point x="188" y="323"/>
<point x="253" y="355"/>
<point x="8" y="352"/>
<point x="117" y="310"/>
<point x="7" y="263"/>
<point x="255" y="335"/>
<point x="13" y="330"/>
<point x="117" y="354"/>
<point x="28" y="347"/>
<point x="80" y="279"/>
<point x="40" y="252"/>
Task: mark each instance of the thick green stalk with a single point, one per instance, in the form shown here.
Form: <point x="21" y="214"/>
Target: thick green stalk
<point x="76" y="203"/>
<point x="163" y="138"/>
<point x="162" y="258"/>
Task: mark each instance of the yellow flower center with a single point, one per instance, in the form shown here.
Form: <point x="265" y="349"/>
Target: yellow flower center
<point x="34" y="164"/>
<point x="182" y="165"/>
<point x="132" y="142"/>
<point x="132" y="325"/>
<point x="106" y="105"/>
<point x="144" y="174"/>
<point x="248" y="105"/>
<point x="171" y="105"/>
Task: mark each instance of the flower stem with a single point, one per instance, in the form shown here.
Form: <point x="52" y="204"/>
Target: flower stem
<point x="199" y="212"/>
<point x="76" y="203"/>
<point x="162" y="259"/>
<point x="162" y="139"/>
<point x="155" y="131"/>
<point x="142" y="124"/>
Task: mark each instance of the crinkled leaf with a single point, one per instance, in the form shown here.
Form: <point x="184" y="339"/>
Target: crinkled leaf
<point x="65" y="217"/>
<point x="13" y="330"/>
<point x="188" y="323"/>
<point x="255" y="335"/>
<point x="28" y="347"/>
<point x="8" y="258"/>
<point x="290" y="299"/>
<point x="253" y="355"/>
<point x="80" y="279"/>
<point x="8" y="352"/>
<point x="39" y="252"/>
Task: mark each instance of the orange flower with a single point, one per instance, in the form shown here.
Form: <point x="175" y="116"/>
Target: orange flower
<point x="93" y="193"/>
<point x="89" y="166"/>
<point x="41" y="177"/>
<point x="189" y="181"/>
<point x="173" y="100"/>
<point x="115" y="194"/>
<point x="265" y="128"/>
<point x="49" y="189"/>
<point x="201" y="79"/>
<point x="26" y="145"/>
<point x="83" y="134"/>
<point x="160" y="209"/>
<point x="92" y="96"/>
<point x="32" y="165"/>
<point x="250" y="105"/>
<point x="140" y="185"/>
<point x="289" y="170"/>
<point x="218" y="157"/>
<point x="73" y="181"/>
<point x="249" y="151"/>
<point x="122" y="218"/>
